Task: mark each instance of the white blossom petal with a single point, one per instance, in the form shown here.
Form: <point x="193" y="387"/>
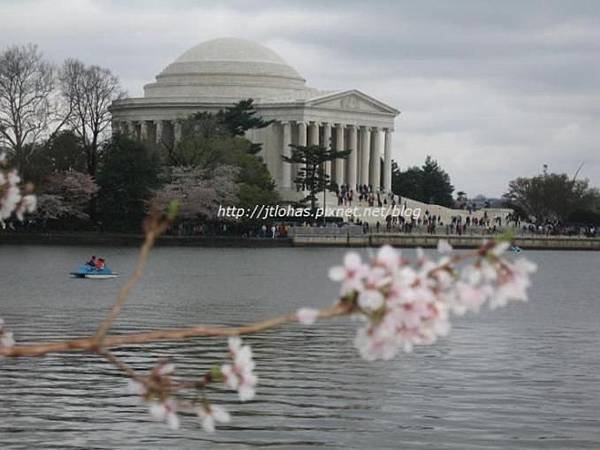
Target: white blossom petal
<point x="307" y="316"/>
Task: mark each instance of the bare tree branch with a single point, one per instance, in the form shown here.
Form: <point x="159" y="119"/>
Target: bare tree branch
<point x="88" y="92"/>
<point x="26" y="104"/>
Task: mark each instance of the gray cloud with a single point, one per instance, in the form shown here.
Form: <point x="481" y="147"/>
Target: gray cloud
<point x="493" y="90"/>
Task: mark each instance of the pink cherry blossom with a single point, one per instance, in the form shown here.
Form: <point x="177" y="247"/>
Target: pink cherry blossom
<point x="12" y="199"/>
<point x="164" y="368"/>
<point x="137" y="388"/>
<point x="513" y="282"/>
<point x="307" y="316"/>
<point x="27" y="205"/>
<point x="13" y="178"/>
<point x="404" y="305"/>
<point x="165" y="411"/>
<point x="212" y="414"/>
<point x="468" y="298"/>
<point x="500" y="248"/>
<point x="9" y="201"/>
<point x="375" y="343"/>
<point x="371" y="299"/>
<point x="350" y="274"/>
<point x="371" y="296"/>
<point x="389" y="258"/>
<point x="240" y="375"/>
<point x="6" y="337"/>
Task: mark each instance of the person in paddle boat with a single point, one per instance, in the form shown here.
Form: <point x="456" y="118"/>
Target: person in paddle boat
<point x="514" y="247"/>
<point x="100" y="264"/>
<point x="91" y="262"/>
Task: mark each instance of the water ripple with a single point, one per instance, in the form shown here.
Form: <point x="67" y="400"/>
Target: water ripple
<point x="525" y="377"/>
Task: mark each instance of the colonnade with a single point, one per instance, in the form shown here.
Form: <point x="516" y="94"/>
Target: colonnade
<point x="362" y="167"/>
<point x="156" y="131"/>
<point x="364" y="164"/>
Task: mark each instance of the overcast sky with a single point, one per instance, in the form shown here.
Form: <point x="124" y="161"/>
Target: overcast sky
<point x="492" y="90"/>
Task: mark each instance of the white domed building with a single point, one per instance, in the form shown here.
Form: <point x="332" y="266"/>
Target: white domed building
<point x="220" y="72"/>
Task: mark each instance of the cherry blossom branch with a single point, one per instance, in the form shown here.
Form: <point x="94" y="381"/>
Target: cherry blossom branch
<point x="112" y="341"/>
<point x="156" y="225"/>
<point x="129" y="371"/>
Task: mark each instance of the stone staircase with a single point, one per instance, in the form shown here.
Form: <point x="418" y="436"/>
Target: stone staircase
<point x="366" y="213"/>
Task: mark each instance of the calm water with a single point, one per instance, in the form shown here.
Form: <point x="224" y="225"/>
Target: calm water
<point x="524" y="377"/>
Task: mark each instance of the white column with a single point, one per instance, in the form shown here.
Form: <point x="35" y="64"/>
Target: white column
<point x="352" y="159"/>
<point x="143" y="130"/>
<point x="313" y="135"/>
<point x="327" y="144"/>
<point x="387" y="161"/>
<point x="302" y="134"/>
<point x="365" y="144"/>
<point x="134" y="129"/>
<point x="375" y="174"/>
<point x="339" y="146"/>
<point x="176" y="131"/>
<point x="159" y="131"/>
<point x="301" y="142"/>
<point x="286" y="170"/>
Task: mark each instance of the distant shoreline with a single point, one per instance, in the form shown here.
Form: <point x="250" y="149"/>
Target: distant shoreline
<point x="430" y="241"/>
<point x="135" y="240"/>
<point x="298" y="240"/>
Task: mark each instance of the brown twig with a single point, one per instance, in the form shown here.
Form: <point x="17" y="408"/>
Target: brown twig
<point x="112" y="341"/>
<point x="155" y="228"/>
<point x="121" y="365"/>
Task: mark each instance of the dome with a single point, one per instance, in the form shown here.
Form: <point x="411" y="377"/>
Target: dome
<point x="227" y="69"/>
<point x="231" y="49"/>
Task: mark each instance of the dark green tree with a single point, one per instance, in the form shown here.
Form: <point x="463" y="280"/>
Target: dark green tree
<point x="437" y="188"/>
<point x="207" y="144"/>
<point x="197" y="129"/>
<point x="242" y="117"/>
<point x="62" y="152"/>
<point x="255" y="182"/>
<point x="207" y="152"/>
<point x="428" y="183"/>
<point x="311" y="174"/>
<point x="129" y="171"/>
<point x="587" y="216"/>
<point x="551" y="197"/>
<point x="408" y="183"/>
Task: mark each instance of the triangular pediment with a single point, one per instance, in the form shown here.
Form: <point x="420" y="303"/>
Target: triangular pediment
<point x="351" y="101"/>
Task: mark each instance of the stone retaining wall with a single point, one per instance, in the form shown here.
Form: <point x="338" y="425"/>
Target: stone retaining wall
<point x="408" y="240"/>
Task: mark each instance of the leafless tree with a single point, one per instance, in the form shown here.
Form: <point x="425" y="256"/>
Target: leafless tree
<point x="27" y="109"/>
<point x="88" y="92"/>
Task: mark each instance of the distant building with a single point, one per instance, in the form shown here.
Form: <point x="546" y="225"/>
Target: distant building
<point x="220" y="72"/>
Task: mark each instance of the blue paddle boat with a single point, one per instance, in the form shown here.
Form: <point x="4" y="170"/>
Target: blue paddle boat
<point x="87" y="271"/>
